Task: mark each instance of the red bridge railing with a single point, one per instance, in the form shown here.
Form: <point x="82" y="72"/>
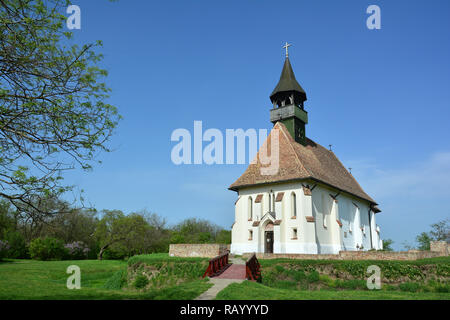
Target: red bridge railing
<point x="217" y="265"/>
<point x="253" y="269"/>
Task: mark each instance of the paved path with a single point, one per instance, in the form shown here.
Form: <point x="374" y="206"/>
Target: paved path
<point x="234" y="274"/>
<point x="236" y="260"/>
<point x="219" y="285"/>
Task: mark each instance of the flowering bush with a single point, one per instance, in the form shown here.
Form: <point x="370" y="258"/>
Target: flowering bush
<point x="4" y="247"/>
<point x="77" y="250"/>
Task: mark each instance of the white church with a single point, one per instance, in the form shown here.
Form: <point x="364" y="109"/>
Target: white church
<point x="312" y="204"/>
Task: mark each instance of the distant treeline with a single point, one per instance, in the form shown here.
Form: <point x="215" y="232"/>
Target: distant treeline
<point x="67" y="232"/>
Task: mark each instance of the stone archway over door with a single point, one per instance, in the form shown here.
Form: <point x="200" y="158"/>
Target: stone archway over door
<point x="268" y="238"/>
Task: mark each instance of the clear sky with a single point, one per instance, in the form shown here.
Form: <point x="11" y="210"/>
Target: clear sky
<point x="380" y="97"/>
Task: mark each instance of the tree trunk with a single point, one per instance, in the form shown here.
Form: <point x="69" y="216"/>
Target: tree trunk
<point x="102" y="251"/>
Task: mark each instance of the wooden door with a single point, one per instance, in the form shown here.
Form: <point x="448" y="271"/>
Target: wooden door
<point x="268" y="242"/>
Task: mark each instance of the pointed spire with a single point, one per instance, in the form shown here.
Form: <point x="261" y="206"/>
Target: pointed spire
<point x="288" y="83"/>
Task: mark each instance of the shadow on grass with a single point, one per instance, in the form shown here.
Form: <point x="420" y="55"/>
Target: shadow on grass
<point x="8" y="261"/>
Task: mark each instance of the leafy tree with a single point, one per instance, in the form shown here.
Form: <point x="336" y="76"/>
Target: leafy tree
<point x="194" y="230"/>
<point x="408" y="246"/>
<point x="53" y="114"/>
<point x="224" y="236"/>
<point x="158" y="236"/>
<point x="423" y="240"/>
<point x="177" y="237"/>
<point x="6" y="219"/>
<point x="440" y="231"/>
<point x="387" y="245"/>
<point x="73" y="225"/>
<point x="204" y="237"/>
<point x="120" y="232"/>
<point x="32" y="224"/>
<point x="18" y="247"/>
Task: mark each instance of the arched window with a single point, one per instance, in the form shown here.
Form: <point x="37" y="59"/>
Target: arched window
<point x="250" y="208"/>
<point x="325" y="211"/>
<point x="293" y="205"/>
<point x="262" y="206"/>
<point x="272" y="198"/>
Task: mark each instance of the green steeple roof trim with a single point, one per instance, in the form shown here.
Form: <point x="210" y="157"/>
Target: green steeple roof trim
<point x="288" y="82"/>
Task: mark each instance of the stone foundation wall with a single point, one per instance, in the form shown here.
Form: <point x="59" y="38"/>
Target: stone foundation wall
<point x="387" y="255"/>
<point x="440" y="247"/>
<point x="437" y="249"/>
<point x="206" y="250"/>
<point x="292" y="256"/>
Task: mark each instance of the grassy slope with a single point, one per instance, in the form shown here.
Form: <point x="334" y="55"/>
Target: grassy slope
<point x="438" y="260"/>
<point x="162" y="257"/>
<point x="254" y="291"/>
<point x="29" y="279"/>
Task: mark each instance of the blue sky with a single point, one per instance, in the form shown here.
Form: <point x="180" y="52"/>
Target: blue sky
<point x="380" y="97"/>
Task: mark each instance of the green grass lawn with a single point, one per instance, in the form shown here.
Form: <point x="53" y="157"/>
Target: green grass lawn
<point x="31" y="279"/>
<point x="248" y="290"/>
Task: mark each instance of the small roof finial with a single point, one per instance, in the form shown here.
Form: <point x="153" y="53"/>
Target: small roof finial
<point x="286" y="46"/>
<point x="330" y="145"/>
<point x="350" y="169"/>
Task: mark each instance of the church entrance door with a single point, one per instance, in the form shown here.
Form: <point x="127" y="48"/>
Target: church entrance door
<point x="268" y="248"/>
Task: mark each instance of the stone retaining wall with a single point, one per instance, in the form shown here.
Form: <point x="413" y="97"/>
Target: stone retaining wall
<point x="206" y="250"/>
<point x="351" y="255"/>
<point x="437" y="249"/>
<point x="440" y="246"/>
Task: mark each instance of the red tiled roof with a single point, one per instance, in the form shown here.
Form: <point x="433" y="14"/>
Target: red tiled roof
<point x="298" y="162"/>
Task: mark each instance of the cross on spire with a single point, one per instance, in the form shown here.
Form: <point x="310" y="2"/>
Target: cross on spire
<point x="286" y="46"/>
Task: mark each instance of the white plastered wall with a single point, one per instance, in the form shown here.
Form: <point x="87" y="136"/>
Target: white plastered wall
<point x="312" y="237"/>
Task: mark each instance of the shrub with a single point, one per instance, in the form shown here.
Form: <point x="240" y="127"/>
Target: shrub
<point x="442" y="288"/>
<point x="94" y="249"/>
<point x="409" y="286"/>
<point x="18" y="247"/>
<point x="286" y="284"/>
<point x="4" y="248"/>
<point x="77" y="250"/>
<point x="313" y="276"/>
<point x="327" y="281"/>
<point x="114" y="254"/>
<point x="117" y="281"/>
<point x="279" y="269"/>
<point x="140" y="282"/>
<point x="47" y="249"/>
<point x="351" y="284"/>
<point x="299" y="275"/>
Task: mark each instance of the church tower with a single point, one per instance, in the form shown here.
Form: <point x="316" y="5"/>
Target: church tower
<point x="288" y="100"/>
<point x="310" y="203"/>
